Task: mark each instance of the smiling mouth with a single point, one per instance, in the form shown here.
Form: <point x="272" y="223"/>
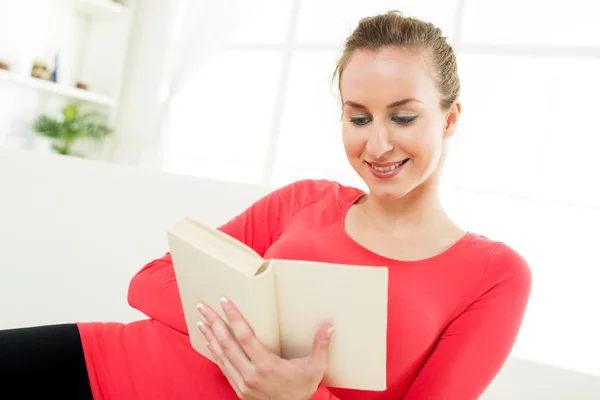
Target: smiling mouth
<point x="388" y="168"/>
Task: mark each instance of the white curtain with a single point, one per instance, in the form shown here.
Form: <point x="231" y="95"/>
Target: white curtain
<point x="171" y="40"/>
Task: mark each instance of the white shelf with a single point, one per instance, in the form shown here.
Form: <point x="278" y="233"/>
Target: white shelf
<point x="100" y="8"/>
<point x="57" y="89"/>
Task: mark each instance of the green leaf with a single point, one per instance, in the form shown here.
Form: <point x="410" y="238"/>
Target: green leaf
<point x="97" y="131"/>
<point x="64" y="150"/>
<point x="70" y="112"/>
<point x="48" y="127"/>
<point x="74" y="126"/>
<point x="92" y="114"/>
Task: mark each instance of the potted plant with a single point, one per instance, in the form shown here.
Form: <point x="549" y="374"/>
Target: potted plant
<point x="75" y="125"/>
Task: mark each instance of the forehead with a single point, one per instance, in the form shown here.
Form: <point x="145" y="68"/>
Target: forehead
<point x="387" y="74"/>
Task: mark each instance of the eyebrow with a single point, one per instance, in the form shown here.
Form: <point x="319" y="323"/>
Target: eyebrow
<point x="392" y="105"/>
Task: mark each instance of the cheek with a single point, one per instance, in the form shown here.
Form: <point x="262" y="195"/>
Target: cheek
<point x="354" y="143"/>
<point x="427" y="144"/>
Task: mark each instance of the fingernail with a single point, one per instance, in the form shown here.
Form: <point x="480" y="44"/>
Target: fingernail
<point x="330" y="332"/>
<point x="210" y="348"/>
<point x="202" y="309"/>
<point x="225" y="304"/>
<point x="202" y="327"/>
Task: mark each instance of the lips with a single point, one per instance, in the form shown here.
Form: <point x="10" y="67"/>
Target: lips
<point x="387" y="170"/>
<point x="387" y="167"/>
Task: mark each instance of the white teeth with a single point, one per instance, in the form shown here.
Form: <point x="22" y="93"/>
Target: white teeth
<point x="387" y="169"/>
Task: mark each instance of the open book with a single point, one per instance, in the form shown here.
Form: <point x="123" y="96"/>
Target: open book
<point x="286" y="301"/>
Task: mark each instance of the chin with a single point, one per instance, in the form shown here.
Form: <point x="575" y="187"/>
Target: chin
<point x="388" y="192"/>
<point x="387" y="189"/>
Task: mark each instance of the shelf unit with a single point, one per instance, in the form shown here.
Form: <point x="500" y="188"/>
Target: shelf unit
<point x="58" y="89"/>
<point x="92" y="39"/>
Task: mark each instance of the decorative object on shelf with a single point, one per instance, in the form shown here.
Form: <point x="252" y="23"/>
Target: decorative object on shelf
<point x="4" y="65"/>
<point x="55" y="70"/>
<point x="57" y="89"/>
<point x="75" y="125"/>
<point x="41" y="70"/>
<point x="82" y="85"/>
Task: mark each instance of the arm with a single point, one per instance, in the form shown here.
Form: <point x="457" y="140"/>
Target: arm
<point x="153" y="290"/>
<point x="477" y="343"/>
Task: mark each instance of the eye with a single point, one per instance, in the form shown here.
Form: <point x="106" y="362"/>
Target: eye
<point x="404" y="119"/>
<point x="360" y="120"/>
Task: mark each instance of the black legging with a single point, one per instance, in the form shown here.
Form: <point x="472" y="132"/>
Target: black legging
<point x="43" y="362"/>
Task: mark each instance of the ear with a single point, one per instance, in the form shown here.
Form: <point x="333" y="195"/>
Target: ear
<point x="452" y="120"/>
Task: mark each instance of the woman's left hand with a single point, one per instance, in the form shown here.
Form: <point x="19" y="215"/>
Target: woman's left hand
<point x="252" y="370"/>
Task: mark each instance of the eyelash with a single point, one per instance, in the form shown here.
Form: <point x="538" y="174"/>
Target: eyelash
<point x="403" y="121"/>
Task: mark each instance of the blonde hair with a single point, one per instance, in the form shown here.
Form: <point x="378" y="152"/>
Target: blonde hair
<point x="395" y="30"/>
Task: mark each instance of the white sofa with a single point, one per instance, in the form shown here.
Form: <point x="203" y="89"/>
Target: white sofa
<point x="73" y="232"/>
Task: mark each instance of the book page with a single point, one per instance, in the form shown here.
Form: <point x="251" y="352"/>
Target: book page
<point x="220" y="245"/>
<point x="354" y="300"/>
<point x="206" y="275"/>
<point x="225" y="240"/>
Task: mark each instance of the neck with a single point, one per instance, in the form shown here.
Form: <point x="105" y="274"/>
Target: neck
<point x="418" y="212"/>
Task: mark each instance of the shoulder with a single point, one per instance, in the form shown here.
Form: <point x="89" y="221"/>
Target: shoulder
<point x="504" y="267"/>
<point x="304" y="187"/>
<point x="304" y="192"/>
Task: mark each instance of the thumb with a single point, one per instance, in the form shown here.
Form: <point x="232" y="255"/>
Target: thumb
<point x="320" y="348"/>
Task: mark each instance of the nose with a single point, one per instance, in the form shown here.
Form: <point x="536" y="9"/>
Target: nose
<point x="379" y="142"/>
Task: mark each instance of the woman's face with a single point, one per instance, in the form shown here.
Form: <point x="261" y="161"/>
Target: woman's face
<point x="393" y="127"/>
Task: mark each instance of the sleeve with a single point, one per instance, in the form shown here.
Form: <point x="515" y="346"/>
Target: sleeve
<point x="323" y="394"/>
<point x="153" y="290"/>
<point x="261" y="224"/>
<point x="475" y="346"/>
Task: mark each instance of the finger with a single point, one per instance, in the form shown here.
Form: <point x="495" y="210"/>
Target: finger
<point x="244" y="333"/>
<point x="232" y="375"/>
<point x="226" y="342"/>
<point x="233" y="385"/>
<point x="319" y="357"/>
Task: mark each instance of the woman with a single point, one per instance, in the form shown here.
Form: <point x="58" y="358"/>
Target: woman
<point x="456" y="299"/>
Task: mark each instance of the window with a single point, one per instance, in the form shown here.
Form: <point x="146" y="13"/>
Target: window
<point x="331" y="21"/>
<point x="267" y="22"/>
<point x="528" y="127"/>
<point x="279" y="62"/>
<point x="310" y="137"/>
<point x="219" y="124"/>
<point x="571" y="171"/>
<point x="532" y="22"/>
<point x="503" y="97"/>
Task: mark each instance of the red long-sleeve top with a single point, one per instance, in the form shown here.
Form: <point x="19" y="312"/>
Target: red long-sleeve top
<point x="452" y="318"/>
